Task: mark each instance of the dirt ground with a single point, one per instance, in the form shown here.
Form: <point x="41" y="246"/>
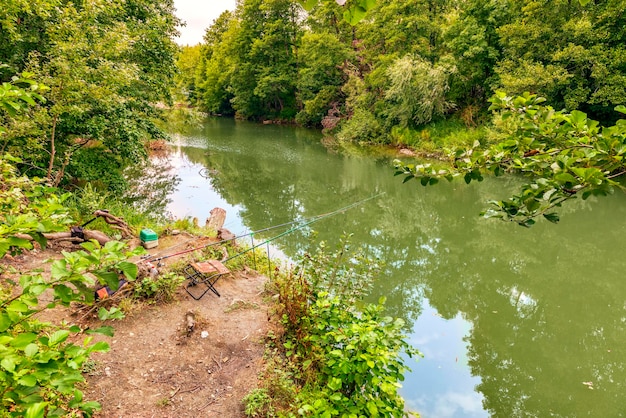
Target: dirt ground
<point x="156" y="368"/>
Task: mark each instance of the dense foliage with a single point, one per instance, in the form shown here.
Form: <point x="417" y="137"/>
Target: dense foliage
<point x="407" y="63"/>
<point x="106" y="64"/>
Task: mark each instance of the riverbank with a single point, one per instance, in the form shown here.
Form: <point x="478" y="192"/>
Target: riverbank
<point x="157" y="366"/>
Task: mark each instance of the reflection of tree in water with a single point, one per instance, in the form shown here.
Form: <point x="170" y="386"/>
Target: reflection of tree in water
<point x="151" y="185"/>
<point x="544" y="321"/>
<point x="274" y="185"/>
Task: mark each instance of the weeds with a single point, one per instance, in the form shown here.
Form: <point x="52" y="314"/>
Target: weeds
<point x="258" y="404"/>
<point x="163" y="402"/>
<point x="160" y="289"/>
<point x="91" y="368"/>
<point x="238" y="305"/>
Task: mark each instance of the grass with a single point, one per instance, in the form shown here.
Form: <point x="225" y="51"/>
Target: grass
<point x="439" y="137"/>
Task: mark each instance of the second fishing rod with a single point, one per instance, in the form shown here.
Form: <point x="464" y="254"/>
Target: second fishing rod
<point x="300" y="223"/>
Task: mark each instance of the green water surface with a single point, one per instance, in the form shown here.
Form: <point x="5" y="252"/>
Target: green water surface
<point x="513" y="322"/>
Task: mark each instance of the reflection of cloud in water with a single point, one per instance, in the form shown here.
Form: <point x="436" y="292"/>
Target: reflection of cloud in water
<point x="441" y="384"/>
<point x="447" y="405"/>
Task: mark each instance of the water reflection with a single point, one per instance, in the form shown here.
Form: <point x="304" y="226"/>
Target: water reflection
<point x="512" y="321"/>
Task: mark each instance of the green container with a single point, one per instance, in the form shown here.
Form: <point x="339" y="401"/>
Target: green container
<point x="149" y="238"/>
<point x="148" y="235"/>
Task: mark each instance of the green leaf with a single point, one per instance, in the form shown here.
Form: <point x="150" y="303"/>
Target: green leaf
<point x="28" y="380"/>
<point x="334" y="383"/>
<point x="30" y="350"/>
<point x="308" y="4"/>
<point x="22" y="340"/>
<point x="63" y="293"/>
<point x="17" y="306"/>
<point x="113" y="313"/>
<point x="8" y="364"/>
<point x="354" y="15"/>
<point x="99" y="347"/>
<point x="552" y="217"/>
<point x="39" y="239"/>
<point x="129" y="269"/>
<point x="110" y="278"/>
<point x="105" y="330"/>
<point x="36" y="410"/>
<point x="620" y="108"/>
<point x="59" y="269"/>
<point x="5" y="322"/>
<point x="58" y="337"/>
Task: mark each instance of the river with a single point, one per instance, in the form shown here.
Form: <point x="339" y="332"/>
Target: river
<point x="511" y="321"/>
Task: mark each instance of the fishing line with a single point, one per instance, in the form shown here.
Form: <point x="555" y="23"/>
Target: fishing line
<point x="307" y="221"/>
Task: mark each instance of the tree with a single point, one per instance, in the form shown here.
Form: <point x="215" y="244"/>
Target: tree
<point x="265" y="59"/>
<point x="579" y="66"/>
<point x="417" y="91"/>
<point x="107" y="65"/>
<point x="216" y="66"/>
<point x="320" y="76"/>
<point x="187" y="62"/>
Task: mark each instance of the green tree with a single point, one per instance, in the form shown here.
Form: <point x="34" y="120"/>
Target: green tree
<point x="320" y="76"/>
<point x="265" y="59"/>
<point x="214" y="73"/>
<point x="579" y="66"/>
<point x="107" y="65"/>
<point x="187" y="63"/>
<point x="417" y="91"/>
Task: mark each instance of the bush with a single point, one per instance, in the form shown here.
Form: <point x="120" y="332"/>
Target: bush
<point x="358" y="358"/>
<point x="361" y="127"/>
<point x="344" y="361"/>
<point x="39" y="368"/>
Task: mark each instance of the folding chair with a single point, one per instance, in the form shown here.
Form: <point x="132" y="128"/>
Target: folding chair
<point x="204" y="273"/>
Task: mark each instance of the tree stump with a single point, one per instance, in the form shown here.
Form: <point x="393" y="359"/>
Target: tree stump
<point x="216" y="220"/>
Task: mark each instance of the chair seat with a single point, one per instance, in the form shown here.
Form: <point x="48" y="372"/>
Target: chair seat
<point x="210" y="266"/>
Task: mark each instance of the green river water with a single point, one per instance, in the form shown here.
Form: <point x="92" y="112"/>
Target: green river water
<point x="512" y="322"/>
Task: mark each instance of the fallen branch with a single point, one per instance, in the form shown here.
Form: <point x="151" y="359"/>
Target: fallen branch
<point x="101" y="237"/>
<point x="116" y="223"/>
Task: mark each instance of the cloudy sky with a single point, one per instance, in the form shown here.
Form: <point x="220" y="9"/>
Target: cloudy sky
<point x="198" y="14"/>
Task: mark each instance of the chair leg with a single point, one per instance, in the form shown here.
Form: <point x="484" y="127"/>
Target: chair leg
<point x="197" y="278"/>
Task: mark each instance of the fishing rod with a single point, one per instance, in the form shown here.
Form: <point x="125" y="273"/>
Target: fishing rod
<point x="307" y="221"/>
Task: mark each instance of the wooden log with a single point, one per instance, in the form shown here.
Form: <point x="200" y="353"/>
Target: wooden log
<point x="101" y="237"/>
<point x="217" y="219"/>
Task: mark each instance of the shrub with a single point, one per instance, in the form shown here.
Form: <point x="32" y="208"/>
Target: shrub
<point x="345" y="361"/>
<point x="161" y="288"/>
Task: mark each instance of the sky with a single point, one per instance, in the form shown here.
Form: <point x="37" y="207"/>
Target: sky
<point x="198" y="14"/>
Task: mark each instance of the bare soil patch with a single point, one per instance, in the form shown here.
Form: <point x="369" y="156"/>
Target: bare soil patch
<point x="156" y="368"/>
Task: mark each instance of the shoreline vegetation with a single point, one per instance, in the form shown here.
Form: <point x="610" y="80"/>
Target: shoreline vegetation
<point x="324" y="354"/>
